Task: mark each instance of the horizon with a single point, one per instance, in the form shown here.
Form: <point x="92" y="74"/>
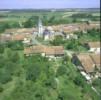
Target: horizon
<point x="44" y="8"/>
<point x="47" y="4"/>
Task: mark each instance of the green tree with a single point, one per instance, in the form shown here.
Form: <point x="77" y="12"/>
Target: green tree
<point x="15" y="45"/>
<point x="62" y="70"/>
<point x="12" y="56"/>
<point x="32" y="21"/>
<point x="1" y="88"/>
<point x="57" y="41"/>
<point x="33" y="72"/>
<point x="2" y="48"/>
<point x="79" y="80"/>
<point x="5" y="77"/>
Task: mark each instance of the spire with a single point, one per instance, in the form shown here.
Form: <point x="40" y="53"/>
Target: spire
<point x="40" y="27"/>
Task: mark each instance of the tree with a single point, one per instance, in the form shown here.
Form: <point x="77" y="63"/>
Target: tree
<point x="15" y="45"/>
<point x="2" y="61"/>
<point x="79" y="80"/>
<point x="14" y="25"/>
<point x="32" y="21"/>
<point x="57" y="41"/>
<point x="74" y="20"/>
<point x="12" y="56"/>
<point x="33" y="72"/>
<point x="65" y="95"/>
<point x="2" y="48"/>
<point x="61" y="71"/>
<point x="51" y="20"/>
<point x="15" y="57"/>
<point x="65" y="59"/>
<point x="5" y="77"/>
<point x="1" y="88"/>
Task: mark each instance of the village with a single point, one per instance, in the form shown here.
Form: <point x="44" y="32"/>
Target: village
<point x="87" y="63"/>
<point x="50" y="50"/>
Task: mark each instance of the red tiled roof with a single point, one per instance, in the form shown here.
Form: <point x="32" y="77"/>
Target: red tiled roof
<point x="86" y="62"/>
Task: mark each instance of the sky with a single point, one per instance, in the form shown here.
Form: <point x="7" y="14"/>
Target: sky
<point x="41" y="4"/>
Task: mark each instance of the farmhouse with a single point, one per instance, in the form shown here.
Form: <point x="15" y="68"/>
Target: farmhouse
<point x="52" y="51"/>
<point x="95" y="25"/>
<point x="19" y="30"/>
<point x="11" y="31"/>
<point x="88" y="63"/>
<point x="85" y="61"/>
<point x="5" y="37"/>
<point x="33" y="50"/>
<point x="93" y="46"/>
<point x="96" y="60"/>
<point x="48" y="51"/>
<point x="21" y="37"/>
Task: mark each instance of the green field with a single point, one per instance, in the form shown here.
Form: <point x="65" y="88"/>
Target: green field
<point x="19" y="15"/>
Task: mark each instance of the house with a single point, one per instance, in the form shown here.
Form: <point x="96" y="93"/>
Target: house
<point x="95" y="25"/>
<point x="18" y="37"/>
<point x="11" y="31"/>
<point x="93" y="46"/>
<point x="88" y="63"/>
<point x="69" y="30"/>
<point x="96" y="60"/>
<point x="5" y="37"/>
<point x="52" y="51"/>
<point x="85" y="61"/>
<point x="19" y="34"/>
<point x="34" y="50"/>
<point x="24" y="37"/>
<point x="19" y="30"/>
<point x="48" y="51"/>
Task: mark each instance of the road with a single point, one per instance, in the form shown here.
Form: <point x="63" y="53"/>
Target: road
<point x="34" y="41"/>
<point x="95" y="90"/>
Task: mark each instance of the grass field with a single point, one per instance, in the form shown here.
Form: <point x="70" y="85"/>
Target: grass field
<point x="22" y="16"/>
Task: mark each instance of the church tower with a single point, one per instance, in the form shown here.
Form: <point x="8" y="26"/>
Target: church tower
<point x="40" y="27"/>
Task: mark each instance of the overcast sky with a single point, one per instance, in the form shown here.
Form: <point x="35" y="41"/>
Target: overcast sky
<point x="39" y="4"/>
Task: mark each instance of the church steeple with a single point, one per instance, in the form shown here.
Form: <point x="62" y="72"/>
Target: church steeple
<point x="40" y="27"/>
